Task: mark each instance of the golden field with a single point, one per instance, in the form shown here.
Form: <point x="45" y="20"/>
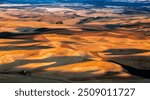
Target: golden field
<point x="70" y="45"/>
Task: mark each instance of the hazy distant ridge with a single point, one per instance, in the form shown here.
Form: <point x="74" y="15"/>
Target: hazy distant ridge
<point x="78" y="1"/>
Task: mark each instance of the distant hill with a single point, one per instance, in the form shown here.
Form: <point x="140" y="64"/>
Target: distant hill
<point x="83" y="1"/>
<point x="94" y="2"/>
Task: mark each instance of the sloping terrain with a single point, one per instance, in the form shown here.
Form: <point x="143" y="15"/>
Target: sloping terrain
<point x="70" y="45"/>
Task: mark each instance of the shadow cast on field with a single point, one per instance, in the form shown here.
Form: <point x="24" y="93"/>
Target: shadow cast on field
<point x="29" y="32"/>
<point x="135" y="25"/>
<point x="135" y="65"/>
<point x="71" y="77"/>
<point x="31" y="47"/>
<point x="125" y="51"/>
<point x="56" y="61"/>
<point x="137" y="75"/>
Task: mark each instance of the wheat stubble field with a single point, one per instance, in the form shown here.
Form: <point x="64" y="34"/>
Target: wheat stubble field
<point x="71" y="44"/>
